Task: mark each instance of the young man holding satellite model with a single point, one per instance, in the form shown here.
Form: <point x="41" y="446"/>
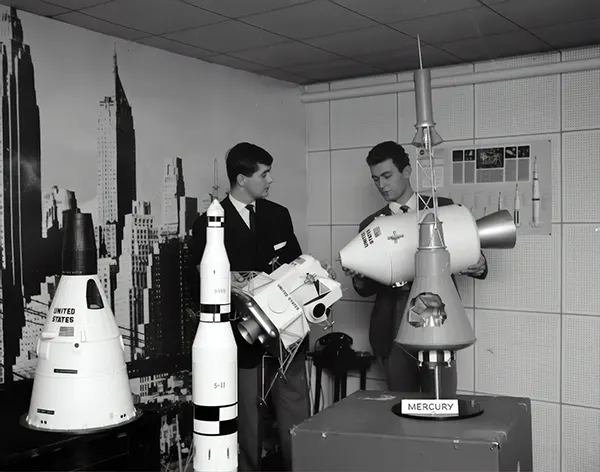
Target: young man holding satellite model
<point x="259" y="235"/>
<point x="390" y="170"/>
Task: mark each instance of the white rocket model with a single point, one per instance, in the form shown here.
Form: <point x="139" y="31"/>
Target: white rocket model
<point x="214" y="357"/>
<point x="81" y="383"/>
<point x="535" y="196"/>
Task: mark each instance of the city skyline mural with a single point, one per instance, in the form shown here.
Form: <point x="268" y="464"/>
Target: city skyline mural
<point x="93" y="124"/>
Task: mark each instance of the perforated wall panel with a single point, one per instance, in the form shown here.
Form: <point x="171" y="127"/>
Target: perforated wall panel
<point x="581" y="269"/>
<point x="581" y="176"/>
<point x="518" y="107"/>
<point x="556" y="164"/>
<point x="363" y="121"/>
<point x="465" y="363"/>
<point x="317" y="126"/>
<point x="452" y="110"/>
<point x="353" y="194"/>
<point x="518" y="62"/>
<point x="319" y="188"/>
<point x="578" y="54"/>
<point x="545" y="423"/>
<point x="581" y="360"/>
<point x="340" y="236"/>
<point x="313" y="88"/>
<point x="518" y="354"/>
<point x="319" y="242"/>
<point x="580" y="451"/>
<point x="526" y="278"/>
<point x="363" y="81"/>
<point x="580" y="100"/>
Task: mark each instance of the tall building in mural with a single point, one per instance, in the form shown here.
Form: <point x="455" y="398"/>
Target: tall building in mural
<point x="173" y="189"/>
<point x="116" y="180"/>
<point x="20" y="184"/>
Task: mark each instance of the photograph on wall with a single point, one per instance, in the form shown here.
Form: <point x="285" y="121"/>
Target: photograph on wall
<point x="516" y="177"/>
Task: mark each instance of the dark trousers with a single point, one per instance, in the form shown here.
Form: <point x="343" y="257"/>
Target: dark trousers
<point x="403" y="374"/>
<point x="290" y="396"/>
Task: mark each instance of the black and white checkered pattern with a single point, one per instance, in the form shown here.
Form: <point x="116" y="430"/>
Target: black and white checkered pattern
<point x="215" y="420"/>
<point x="216" y="221"/>
<point x="215" y="313"/>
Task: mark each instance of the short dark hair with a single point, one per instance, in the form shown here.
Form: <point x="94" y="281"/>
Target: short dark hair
<point x="388" y="150"/>
<point x="244" y="158"/>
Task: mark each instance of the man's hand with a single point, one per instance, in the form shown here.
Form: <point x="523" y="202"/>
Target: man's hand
<point x="476" y="270"/>
<point x="329" y="269"/>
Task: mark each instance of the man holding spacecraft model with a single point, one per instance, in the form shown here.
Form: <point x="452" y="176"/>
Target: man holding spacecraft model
<point x="258" y="232"/>
<point x="390" y="170"/>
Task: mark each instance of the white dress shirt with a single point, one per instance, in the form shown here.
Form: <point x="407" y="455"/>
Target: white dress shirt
<point x="242" y="210"/>
<point x="411" y="204"/>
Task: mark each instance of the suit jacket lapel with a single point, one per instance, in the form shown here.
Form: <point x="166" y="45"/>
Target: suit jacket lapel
<point x="233" y="219"/>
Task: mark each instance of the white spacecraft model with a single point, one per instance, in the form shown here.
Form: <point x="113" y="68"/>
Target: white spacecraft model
<point x="413" y="247"/>
<point x="214" y="357"/>
<point x="277" y="309"/>
<point x="81" y="383"/>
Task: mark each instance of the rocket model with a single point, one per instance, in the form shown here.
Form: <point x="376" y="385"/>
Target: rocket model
<point x="214" y="357"/>
<point x="535" y="196"/>
<point x="81" y="383"/>
<point x="517" y="213"/>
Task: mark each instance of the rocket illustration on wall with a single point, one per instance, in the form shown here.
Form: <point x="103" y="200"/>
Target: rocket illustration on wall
<point x="535" y="197"/>
<point x="517" y="212"/>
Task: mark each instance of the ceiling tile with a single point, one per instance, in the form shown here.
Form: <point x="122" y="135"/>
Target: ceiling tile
<point x="36" y="7"/>
<point x="571" y="35"/>
<point x="244" y="8"/>
<point x="333" y="70"/>
<point x="76" y="4"/>
<point x="227" y="36"/>
<point x="287" y="54"/>
<point x="464" y="24"/>
<point x="154" y="16"/>
<point x="363" y="41"/>
<point x="308" y="20"/>
<point x="391" y="11"/>
<point x="286" y="76"/>
<point x="100" y="26"/>
<point x="495" y="46"/>
<point x="235" y="63"/>
<point x="535" y="13"/>
<point x="402" y="60"/>
<point x="176" y="47"/>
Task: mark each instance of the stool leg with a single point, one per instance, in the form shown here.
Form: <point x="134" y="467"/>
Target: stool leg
<point x="317" y="391"/>
<point x="336" y="389"/>
<point x="344" y="385"/>
<point x="363" y="379"/>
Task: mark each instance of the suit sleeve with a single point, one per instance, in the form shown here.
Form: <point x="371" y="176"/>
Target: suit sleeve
<point x="293" y="249"/>
<point x="364" y="286"/>
<point x="484" y="274"/>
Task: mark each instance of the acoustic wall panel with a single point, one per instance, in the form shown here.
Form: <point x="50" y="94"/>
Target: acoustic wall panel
<point x="518" y="62"/>
<point x="319" y="187"/>
<point x="363" y="121"/>
<point x="317" y="126"/>
<point x="518" y="354"/>
<point x="545" y="423"/>
<point x="527" y="277"/>
<point x="518" y="107"/>
<point x="581" y="176"/>
<point x="580" y="451"/>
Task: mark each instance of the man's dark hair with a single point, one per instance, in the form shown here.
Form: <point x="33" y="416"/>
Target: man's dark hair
<point x="244" y="158"/>
<point x="388" y="150"/>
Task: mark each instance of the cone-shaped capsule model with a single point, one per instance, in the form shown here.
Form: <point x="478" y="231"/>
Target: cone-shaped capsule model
<point x="434" y="318"/>
<point x="81" y="383"/>
<point x="214" y="357"/>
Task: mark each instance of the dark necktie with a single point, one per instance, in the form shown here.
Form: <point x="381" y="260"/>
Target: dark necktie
<point x="252" y="216"/>
<point x="404" y="208"/>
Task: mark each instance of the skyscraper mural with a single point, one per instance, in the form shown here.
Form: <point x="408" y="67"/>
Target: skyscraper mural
<point x="142" y="250"/>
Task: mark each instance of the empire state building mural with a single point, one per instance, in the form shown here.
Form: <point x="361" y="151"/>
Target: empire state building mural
<point x="142" y="250"/>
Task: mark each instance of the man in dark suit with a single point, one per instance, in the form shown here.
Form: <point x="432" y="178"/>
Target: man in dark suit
<point x="259" y="235"/>
<point x="390" y="170"/>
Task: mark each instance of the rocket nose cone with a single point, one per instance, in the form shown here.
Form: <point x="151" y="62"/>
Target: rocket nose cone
<point x="215" y="209"/>
<point x="79" y="244"/>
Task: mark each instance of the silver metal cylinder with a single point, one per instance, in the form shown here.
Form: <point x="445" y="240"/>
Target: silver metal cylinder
<point x="422" y="78"/>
